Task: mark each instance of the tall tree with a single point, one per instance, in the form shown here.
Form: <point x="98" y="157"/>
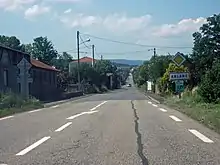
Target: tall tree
<point x="43" y="50"/>
<point x="62" y="62"/>
<point x="206" y="48"/>
<point x="11" y="42"/>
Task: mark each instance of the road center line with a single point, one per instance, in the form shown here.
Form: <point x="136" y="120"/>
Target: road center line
<point x="63" y="127"/>
<point x="31" y="147"/>
<point x="8" y="117"/>
<point x="163" y="110"/>
<point x="80" y="114"/>
<point x="155" y="105"/>
<point x="200" y="136"/>
<point x="37" y="110"/>
<point x="98" y="106"/>
<point x="175" y="118"/>
<point x="75" y="116"/>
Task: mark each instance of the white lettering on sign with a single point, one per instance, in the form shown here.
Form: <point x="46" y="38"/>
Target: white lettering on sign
<point x="179" y="76"/>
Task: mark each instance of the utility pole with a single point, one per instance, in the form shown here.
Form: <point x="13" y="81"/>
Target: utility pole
<point x="101" y="57"/>
<point x="154" y="63"/>
<point x="78" y="62"/>
<point x="154" y="53"/>
<point x="93" y="55"/>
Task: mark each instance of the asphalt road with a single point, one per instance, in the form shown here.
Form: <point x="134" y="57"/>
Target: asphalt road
<point x="121" y="127"/>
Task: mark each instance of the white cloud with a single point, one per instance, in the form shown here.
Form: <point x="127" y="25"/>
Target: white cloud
<point x="186" y="25"/>
<point x="35" y="11"/>
<point x="67" y="11"/>
<point x="14" y="4"/>
<point x="112" y="22"/>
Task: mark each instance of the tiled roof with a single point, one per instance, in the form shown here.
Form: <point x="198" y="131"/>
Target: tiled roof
<point x="85" y="59"/>
<point x="42" y="65"/>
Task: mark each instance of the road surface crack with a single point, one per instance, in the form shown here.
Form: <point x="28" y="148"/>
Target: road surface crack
<point x="139" y="143"/>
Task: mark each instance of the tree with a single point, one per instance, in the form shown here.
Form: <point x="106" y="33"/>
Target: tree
<point x="157" y="66"/>
<point x="206" y="48"/>
<point x="209" y="87"/>
<point x="62" y="62"/>
<point x="11" y="42"/>
<point x="43" y="50"/>
<point x="164" y="82"/>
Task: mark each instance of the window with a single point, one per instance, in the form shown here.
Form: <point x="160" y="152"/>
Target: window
<point x="6" y="78"/>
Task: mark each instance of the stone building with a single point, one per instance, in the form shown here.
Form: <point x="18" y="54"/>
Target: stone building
<point x="41" y="79"/>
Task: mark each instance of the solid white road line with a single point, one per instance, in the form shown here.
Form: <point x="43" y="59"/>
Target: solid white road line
<point x="55" y="106"/>
<point x="8" y="117"/>
<point x="200" y="136"/>
<point x="175" y="118"/>
<point x="163" y="110"/>
<point x="63" y="127"/>
<point x="155" y="105"/>
<point x="80" y="114"/>
<point x="98" y="106"/>
<point x="149" y="102"/>
<point x="31" y="147"/>
<point x="37" y="110"/>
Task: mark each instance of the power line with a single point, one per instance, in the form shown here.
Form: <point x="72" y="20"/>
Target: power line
<point x="134" y="44"/>
<point x="84" y="42"/>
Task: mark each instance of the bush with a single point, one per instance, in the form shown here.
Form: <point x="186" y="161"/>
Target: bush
<point x="209" y="88"/>
<point x="11" y="103"/>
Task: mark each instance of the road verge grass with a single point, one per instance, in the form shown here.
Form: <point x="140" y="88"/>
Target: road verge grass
<point x="207" y="114"/>
<point x="11" y="103"/>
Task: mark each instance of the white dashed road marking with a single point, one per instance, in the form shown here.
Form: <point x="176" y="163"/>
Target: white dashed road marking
<point x="37" y="110"/>
<point x="31" y="147"/>
<point x="155" y="105"/>
<point x="163" y="110"/>
<point x="200" y="136"/>
<point x="175" y="118"/>
<point x="149" y="102"/>
<point x="80" y="114"/>
<point x="8" y="117"/>
<point x="63" y="127"/>
<point x="55" y="106"/>
<point x="98" y="106"/>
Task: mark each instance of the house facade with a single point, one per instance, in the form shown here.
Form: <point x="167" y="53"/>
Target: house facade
<point x="85" y="60"/>
<point x="41" y="79"/>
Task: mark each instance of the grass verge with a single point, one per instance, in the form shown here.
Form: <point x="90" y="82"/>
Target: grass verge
<point x="11" y="103"/>
<point x="207" y="114"/>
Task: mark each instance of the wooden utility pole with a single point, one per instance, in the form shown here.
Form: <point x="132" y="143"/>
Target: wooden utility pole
<point x="78" y="62"/>
<point x="93" y="55"/>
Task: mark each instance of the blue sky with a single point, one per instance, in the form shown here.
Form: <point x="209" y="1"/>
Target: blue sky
<point x="155" y="23"/>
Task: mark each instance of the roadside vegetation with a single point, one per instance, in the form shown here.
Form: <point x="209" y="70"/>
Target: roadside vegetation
<point x="201" y="98"/>
<point x="11" y="103"/>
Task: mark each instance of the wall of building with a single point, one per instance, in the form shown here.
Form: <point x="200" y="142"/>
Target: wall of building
<point x="8" y="69"/>
<point x="44" y="86"/>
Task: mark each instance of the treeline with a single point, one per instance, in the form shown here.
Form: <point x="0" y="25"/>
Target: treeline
<point x="203" y="64"/>
<point x="43" y="50"/>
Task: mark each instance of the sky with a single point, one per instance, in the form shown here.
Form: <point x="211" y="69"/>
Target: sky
<point x="166" y="25"/>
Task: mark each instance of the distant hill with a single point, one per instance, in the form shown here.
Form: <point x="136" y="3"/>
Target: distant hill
<point x="127" y="62"/>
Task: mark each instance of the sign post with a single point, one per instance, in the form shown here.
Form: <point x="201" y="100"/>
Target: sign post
<point x="179" y="77"/>
<point x="24" y="77"/>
